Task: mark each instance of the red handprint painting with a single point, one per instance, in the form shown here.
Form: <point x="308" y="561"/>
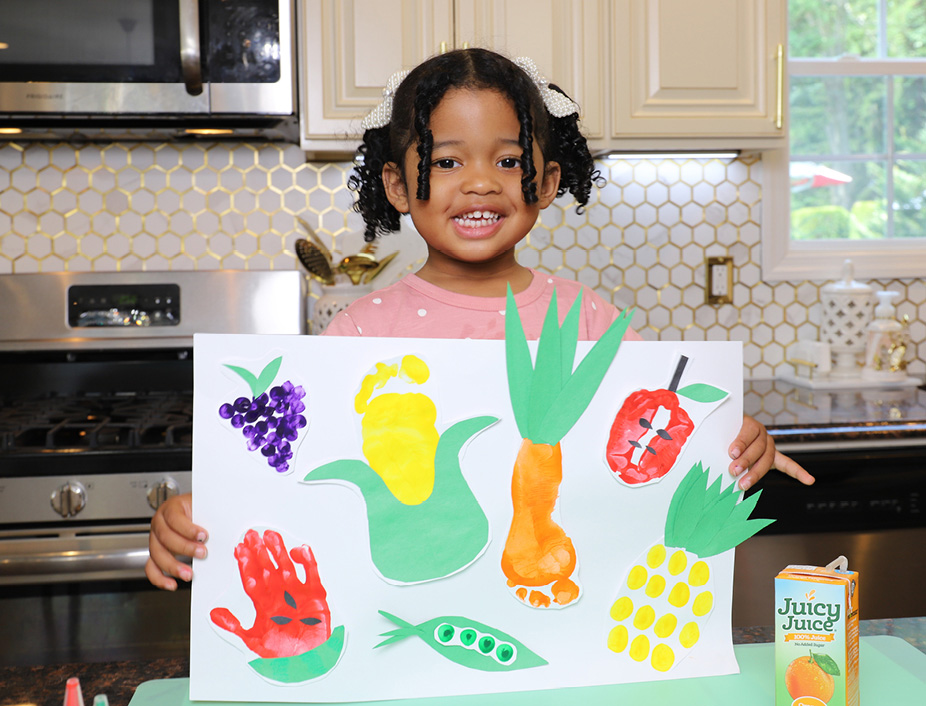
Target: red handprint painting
<point x="292" y="632"/>
<point x="653" y="426"/>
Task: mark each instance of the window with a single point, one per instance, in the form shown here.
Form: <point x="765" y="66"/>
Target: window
<point x="853" y="181"/>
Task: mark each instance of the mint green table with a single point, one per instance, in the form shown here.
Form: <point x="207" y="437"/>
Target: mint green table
<point x="893" y="673"/>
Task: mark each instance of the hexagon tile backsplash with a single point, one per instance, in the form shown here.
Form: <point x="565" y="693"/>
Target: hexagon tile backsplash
<point x="642" y="242"/>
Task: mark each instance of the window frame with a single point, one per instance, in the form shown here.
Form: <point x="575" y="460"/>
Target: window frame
<point x="787" y="259"/>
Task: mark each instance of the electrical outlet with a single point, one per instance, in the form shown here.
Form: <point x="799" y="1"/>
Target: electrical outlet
<point x="719" y="280"/>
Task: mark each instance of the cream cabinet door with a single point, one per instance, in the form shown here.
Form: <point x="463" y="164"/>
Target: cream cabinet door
<point x="348" y="50"/>
<point x="704" y="68"/>
<point x="565" y="38"/>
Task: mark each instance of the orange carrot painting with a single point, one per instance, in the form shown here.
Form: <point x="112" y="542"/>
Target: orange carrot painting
<point x="548" y="397"/>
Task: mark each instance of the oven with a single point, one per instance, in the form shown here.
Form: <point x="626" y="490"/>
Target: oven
<point x="96" y="394"/>
<point x="867" y="450"/>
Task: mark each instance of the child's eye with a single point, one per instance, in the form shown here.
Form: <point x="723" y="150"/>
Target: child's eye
<point x="509" y="163"/>
<point x="445" y="163"/>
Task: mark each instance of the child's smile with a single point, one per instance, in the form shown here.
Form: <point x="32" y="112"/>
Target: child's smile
<point x="476" y="213"/>
<point x="477" y="223"/>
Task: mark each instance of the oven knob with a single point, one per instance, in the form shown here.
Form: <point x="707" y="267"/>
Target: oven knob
<point x="69" y="499"/>
<point x="159" y="492"/>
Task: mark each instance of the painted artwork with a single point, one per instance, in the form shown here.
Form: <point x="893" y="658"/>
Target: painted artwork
<point x="291" y="635"/>
<point x="653" y="426"/>
<point x="448" y="522"/>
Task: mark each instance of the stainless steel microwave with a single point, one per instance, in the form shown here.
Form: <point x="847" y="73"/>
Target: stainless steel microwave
<point x="107" y="64"/>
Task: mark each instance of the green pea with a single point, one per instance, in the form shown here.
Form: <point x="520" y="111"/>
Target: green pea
<point x="504" y="652"/>
<point x="486" y="644"/>
<point x="445" y="632"/>
<point x="468" y="636"/>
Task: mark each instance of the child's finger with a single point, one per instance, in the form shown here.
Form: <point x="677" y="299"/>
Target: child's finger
<point x="745" y="438"/>
<point x="157" y="577"/>
<point x="163" y="566"/>
<point x="176" y="514"/>
<point x="788" y="465"/>
<point x="176" y="535"/>
<point x="756" y="461"/>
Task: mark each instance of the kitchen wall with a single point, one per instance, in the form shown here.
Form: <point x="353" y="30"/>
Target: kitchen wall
<point x="643" y="241"/>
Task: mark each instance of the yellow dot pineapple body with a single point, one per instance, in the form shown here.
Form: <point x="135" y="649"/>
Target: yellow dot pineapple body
<point x="667" y="596"/>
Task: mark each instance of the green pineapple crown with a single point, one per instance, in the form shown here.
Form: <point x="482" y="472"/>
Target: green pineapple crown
<point x="547" y="396"/>
<point x="707" y="520"/>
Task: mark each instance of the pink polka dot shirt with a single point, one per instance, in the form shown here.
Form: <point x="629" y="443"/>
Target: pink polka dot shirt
<point x="414" y="308"/>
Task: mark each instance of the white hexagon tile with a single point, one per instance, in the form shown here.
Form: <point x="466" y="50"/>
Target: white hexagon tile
<point x="642" y="240"/>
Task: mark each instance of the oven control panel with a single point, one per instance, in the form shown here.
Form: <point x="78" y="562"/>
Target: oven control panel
<point x="100" y="498"/>
<point x="123" y="305"/>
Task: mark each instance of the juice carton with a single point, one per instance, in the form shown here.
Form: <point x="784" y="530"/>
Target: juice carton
<point x="816" y="635"/>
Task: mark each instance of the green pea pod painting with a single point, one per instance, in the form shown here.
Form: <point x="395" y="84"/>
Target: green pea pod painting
<point x="467" y="642"/>
<point x="424" y="521"/>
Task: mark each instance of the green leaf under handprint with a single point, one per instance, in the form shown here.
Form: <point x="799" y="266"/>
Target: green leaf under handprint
<point x="304" y="667"/>
<point x="430" y="540"/>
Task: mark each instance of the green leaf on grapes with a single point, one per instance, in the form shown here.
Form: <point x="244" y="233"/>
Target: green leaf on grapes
<point x="260" y="384"/>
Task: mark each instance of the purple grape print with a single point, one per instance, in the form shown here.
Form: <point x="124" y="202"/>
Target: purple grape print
<point x="269" y="420"/>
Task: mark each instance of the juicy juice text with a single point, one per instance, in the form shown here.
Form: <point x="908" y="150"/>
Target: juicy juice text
<point x="816" y="636"/>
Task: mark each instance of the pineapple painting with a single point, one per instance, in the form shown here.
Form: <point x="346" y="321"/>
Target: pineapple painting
<point x="668" y="595"/>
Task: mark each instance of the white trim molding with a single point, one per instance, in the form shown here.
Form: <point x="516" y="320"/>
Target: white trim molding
<point x="784" y="259"/>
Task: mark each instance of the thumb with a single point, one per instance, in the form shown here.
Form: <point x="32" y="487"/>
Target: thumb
<point x="225" y="620"/>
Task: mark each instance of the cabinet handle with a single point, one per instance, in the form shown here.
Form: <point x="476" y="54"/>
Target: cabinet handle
<point x="779" y="112"/>
<point x="466" y="45"/>
<point x="443" y="47"/>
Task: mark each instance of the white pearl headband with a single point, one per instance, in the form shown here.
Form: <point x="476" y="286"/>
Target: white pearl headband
<point x="556" y="103"/>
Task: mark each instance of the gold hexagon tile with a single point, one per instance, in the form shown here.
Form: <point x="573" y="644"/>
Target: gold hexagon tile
<point x="642" y="241"/>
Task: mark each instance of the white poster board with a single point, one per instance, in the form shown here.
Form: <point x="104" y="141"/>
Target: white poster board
<point x="440" y="599"/>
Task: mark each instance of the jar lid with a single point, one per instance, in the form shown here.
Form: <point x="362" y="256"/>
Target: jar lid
<point x="847" y="285"/>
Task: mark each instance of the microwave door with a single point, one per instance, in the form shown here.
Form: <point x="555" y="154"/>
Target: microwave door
<point x="97" y="57"/>
<point x="248" y="50"/>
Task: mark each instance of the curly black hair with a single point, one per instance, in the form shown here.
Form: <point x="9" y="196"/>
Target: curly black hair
<point x="416" y="98"/>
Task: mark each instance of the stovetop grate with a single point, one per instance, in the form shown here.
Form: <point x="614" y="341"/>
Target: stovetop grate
<point x="129" y="421"/>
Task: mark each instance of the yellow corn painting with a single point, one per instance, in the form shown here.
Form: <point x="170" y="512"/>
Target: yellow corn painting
<point x="424" y="521"/>
<point x="399" y="433"/>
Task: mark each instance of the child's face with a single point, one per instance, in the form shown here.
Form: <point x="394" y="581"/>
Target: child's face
<point x="476" y="213"/>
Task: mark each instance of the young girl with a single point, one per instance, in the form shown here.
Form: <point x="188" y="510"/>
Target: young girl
<point x="472" y="145"/>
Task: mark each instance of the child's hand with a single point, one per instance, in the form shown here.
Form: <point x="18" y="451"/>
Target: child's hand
<point x="173" y="533"/>
<point x="754" y="451"/>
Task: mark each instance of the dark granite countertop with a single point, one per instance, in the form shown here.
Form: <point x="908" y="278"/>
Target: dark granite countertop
<point x="796" y="414"/>
<point x="44" y="686"/>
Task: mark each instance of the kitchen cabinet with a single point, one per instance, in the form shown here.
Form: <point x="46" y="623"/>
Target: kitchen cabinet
<point x="349" y="48"/>
<point x="710" y="70"/>
<point x="649" y="74"/>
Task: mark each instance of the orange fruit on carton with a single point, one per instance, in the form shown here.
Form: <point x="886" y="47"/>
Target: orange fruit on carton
<point x="805" y="677"/>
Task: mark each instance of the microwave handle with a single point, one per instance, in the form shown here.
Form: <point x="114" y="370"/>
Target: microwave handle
<point x="189" y="47"/>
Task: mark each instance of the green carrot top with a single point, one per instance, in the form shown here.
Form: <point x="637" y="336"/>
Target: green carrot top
<point x="547" y="395"/>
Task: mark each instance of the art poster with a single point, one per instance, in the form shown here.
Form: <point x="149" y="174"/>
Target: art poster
<point x="399" y="518"/>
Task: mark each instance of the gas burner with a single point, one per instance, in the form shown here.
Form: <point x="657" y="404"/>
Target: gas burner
<point x="98" y="422"/>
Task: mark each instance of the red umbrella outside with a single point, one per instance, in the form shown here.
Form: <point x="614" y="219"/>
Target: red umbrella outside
<point x="810" y="175"/>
